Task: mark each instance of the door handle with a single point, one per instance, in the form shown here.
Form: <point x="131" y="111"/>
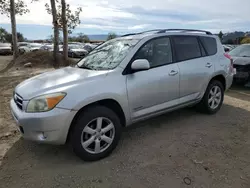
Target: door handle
<point x="173" y="72"/>
<point x="209" y="65"/>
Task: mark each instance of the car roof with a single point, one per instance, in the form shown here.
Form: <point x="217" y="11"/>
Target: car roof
<point x="165" y="32"/>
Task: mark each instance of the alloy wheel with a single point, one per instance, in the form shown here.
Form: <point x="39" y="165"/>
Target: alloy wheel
<point x="214" y="97"/>
<point x="98" y="135"/>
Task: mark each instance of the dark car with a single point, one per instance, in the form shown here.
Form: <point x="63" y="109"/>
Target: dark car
<point x="241" y="61"/>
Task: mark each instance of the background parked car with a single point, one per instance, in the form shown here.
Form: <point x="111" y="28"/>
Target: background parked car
<point x="30" y="47"/>
<point x="226" y="48"/>
<point x="5" y="49"/>
<point x="89" y="47"/>
<point x="77" y="51"/>
<point x="241" y="58"/>
<point x="47" y="47"/>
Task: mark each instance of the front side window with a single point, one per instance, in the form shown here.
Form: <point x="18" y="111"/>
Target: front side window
<point x="157" y="51"/>
<point x="108" y="55"/>
<point x="186" y="47"/>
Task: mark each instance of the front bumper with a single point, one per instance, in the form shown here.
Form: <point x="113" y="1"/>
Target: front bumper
<point x="45" y="127"/>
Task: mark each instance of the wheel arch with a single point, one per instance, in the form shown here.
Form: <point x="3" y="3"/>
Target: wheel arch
<point x="109" y="103"/>
<point x="221" y="78"/>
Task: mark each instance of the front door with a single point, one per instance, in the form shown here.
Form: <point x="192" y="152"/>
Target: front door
<point x="155" y="89"/>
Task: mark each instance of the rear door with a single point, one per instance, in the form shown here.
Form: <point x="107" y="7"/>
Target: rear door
<point x="195" y="67"/>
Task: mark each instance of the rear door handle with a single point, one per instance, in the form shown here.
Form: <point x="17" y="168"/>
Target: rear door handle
<point x="209" y="65"/>
<point x="173" y="72"/>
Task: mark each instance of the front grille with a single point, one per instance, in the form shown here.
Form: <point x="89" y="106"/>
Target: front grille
<point x="19" y="101"/>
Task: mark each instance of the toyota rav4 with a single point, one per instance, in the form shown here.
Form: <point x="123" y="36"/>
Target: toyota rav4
<point x="123" y="81"/>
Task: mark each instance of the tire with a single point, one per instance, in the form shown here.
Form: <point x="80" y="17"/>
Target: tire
<point x="88" y="119"/>
<point x="205" y="105"/>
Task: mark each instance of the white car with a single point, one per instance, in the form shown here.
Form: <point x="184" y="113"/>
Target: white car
<point x="5" y="49"/>
<point x="30" y="47"/>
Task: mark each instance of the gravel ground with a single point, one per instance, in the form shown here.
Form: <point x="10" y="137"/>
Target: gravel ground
<point x="4" y="61"/>
<point x="206" y="151"/>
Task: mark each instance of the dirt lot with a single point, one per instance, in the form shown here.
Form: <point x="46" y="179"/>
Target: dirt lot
<point x="211" y="151"/>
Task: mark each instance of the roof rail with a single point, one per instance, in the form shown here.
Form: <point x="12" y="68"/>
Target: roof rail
<point x="165" y="30"/>
<point x="148" y="31"/>
<point x="129" y="34"/>
<point x="156" y="30"/>
<point x="185" y="30"/>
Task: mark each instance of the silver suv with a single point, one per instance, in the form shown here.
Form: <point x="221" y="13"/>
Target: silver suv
<point x="122" y="81"/>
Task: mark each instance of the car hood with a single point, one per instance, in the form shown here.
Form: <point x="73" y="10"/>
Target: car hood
<point x="56" y="81"/>
<point x="241" y="60"/>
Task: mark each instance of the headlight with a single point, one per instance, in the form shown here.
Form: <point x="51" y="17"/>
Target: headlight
<point x="45" y="102"/>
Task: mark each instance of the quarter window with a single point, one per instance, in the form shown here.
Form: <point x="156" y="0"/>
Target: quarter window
<point x="209" y="44"/>
<point x="186" y="47"/>
<point x="157" y="51"/>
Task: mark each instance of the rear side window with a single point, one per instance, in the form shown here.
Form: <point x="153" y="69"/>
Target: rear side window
<point x="186" y="47"/>
<point x="209" y="44"/>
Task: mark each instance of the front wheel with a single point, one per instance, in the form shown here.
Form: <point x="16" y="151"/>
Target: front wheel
<point x="213" y="98"/>
<point x="96" y="133"/>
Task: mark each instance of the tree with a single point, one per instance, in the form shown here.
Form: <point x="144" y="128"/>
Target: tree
<point x="245" y="40"/>
<point x="10" y="8"/>
<point x="81" y="37"/>
<point x="8" y="37"/>
<point x="66" y="21"/>
<point x="111" y="35"/>
<point x="20" y="7"/>
<point x="51" y="39"/>
<point x="13" y="28"/>
<point x="65" y="31"/>
<point x="56" y="31"/>
<point x="220" y="35"/>
<point x="3" y="34"/>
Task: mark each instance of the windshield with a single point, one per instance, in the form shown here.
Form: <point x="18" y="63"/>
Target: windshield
<point x="241" y="51"/>
<point x="108" y="55"/>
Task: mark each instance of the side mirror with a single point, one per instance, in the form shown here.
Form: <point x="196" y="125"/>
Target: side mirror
<point x="140" y="64"/>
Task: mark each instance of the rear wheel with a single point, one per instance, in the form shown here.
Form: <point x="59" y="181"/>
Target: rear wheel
<point x="96" y="133"/>
<point x="213" y="98"/>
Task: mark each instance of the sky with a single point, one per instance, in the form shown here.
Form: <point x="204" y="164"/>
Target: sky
<point x="126" y="16"/>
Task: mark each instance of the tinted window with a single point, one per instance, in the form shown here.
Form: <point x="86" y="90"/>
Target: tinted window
<point x="157" y="52"/>
<point x="186" y="47"/>
<point x="209" y="44"/>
